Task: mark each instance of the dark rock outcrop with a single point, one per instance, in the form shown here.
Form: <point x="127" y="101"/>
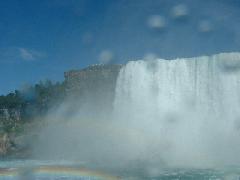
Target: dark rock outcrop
<point x="93" y="87"/>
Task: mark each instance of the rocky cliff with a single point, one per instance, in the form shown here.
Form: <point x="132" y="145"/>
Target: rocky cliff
<point x="93" y="86"/>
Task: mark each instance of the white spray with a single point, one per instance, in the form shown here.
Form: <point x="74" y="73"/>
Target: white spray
<point x="185" y="112"/>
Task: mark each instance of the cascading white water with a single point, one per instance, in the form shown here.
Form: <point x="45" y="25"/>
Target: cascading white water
<point x="183" y="112"/>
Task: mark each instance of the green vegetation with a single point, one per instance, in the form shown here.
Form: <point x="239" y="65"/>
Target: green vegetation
<point x="19" y="107"/>
<point x="12" y="100"/>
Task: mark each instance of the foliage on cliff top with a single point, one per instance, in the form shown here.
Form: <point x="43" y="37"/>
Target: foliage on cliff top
<point x="24" y="105"/>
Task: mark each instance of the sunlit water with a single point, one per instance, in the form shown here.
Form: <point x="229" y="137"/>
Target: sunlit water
<point x="50" y="170"/>
<point x="53" y="170"/>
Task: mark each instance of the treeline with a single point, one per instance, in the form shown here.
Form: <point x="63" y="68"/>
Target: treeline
<point x="23" y="105"/>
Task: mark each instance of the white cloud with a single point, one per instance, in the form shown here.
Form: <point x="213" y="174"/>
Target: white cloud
<point x="30" y="55"/>
<point x="14" y="54"/>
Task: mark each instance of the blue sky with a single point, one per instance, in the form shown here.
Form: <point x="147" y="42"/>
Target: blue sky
<point x="40" y="39"/>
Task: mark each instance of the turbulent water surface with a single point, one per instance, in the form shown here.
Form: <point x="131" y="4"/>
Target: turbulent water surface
<point x="50" y="170"/>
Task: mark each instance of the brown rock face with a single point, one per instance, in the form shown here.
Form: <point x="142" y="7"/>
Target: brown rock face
<point x="93" y="87"/>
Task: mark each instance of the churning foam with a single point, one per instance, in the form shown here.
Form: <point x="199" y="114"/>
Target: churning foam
<point x="185" y="112"/>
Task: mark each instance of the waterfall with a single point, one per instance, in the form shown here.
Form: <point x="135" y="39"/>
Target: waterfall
<point x="183" y="111"/>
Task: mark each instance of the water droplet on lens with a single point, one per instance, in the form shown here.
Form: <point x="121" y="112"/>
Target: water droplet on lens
<point x="87" y="38"/>
<point x="150" y="56"/>
<point x="179" y="11"/>
<point x="205" y="26"/>
<point x="106" y="56"/>
<point x="156" y="22"/>
<point x="230" y="64"/>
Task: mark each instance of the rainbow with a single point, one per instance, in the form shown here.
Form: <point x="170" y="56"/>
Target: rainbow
<point x="57" y="171"/>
